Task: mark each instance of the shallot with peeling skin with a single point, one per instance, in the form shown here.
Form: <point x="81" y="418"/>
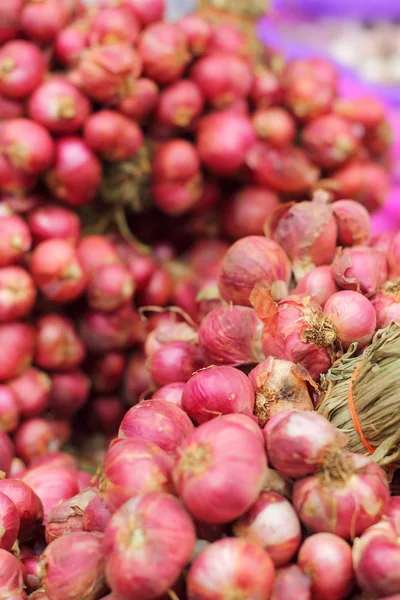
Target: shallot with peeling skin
<point x="250" y="261"/>
<point x="296" y="329"/>
<point x="353" y="318"/>
<point x="297" y="442"/>
<point x="273" y="524"/>
<point x="231" y="568"/>
<point x="291" y="581"/>
<point x="319" y="284"/>
<point x="327" y="559"/>
<point x="147" y="543"/>
<point x="96" y="515"/>
<point x="221" y="470"/>
<point x="67" y="517"/>
<point x="28" y="504"/>
<point x="348" y="495"/>
<point x="280" y="385"/>
<point x="359" y="268"/>
<point x="353" y="222"/>
<point x="133" y="467"/>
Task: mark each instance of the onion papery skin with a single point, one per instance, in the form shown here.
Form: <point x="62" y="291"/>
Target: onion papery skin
<point x="327" y="559"/>
<point x="9" y="522"/>
<point x="280" y="385"/>
<point x="217" y="391"/>
<point x="250" y="261"/>
<point x="345" y="503"/>
<point x="386" y="303"/>
<point x="273" y="524"/>
<point x="220" y="470"/>
<point x="67" y="516"/>
<point x="297" y="442"/>
<point x="231" y="336"/>
<point x="353" y="221"/>
<point x="360" y="268"/>
<point x="147" y="543"/>
<point x="291" y="580"/>
<point x="133" y="467"/>
<point x="231" y="568"/>
<point x="319" y="284"/>
<point x="296" y="329"/>
<point x="28" y="504"/>
<point x="353" y="317"/>
<point x="72" y="567"/>
<point x="157" y="421"/>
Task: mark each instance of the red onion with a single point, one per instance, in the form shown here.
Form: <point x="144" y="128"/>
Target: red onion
<point x="17" y="293"/>
<point x="387" y="304"/>
<point x="32" y="392"/>
<point x="10" y="109"/>
<point x="177" y="197"/>
<point x="37" y="437"/>
<point x="319" y="284"/>
<point x="180" y="104"/>
<point x="66" y="517"/>
<point x="327" y="559"/>
<point x="159" y="288"/>
<point x="9" y="411"/>
<point x="54" y="222"/>
<point x="59" y="106"/>
<point x="108" y="73"/>
<point x="273" y="524"/>
<point x="31" y="569"/>
<point x="58" y="346"/>
<point x="285" y="169"/>
<point x="28" y="505"/>
<point x="176" y="361"/>
<point x="382" y="241"/>
<point x="72" y="567"/>
<point x="231" y="336"/>
<point x="348" y="495"/>
<point x="55" y="459"/>
<point x="147" y="11"/>
<point x="9" y="16"/>
<point x="306" y="231"/>
<point x="392" y="256"/>
<point x="96" y="515"/>
<point x="110" y="287"/>
<point x="22" y="68"/>
<point x="41" y="21"/>
<point x="95" y="251"/>
<point x="76" y="173"/>
<point x="223" y="140"/>
<point x="164" y="52"/>
<point x="141" y="101"/>
<point x="298" y="442"/>
<point x="250" y="261"/>
<point x="275" y="126"/>
<point x="104" y="332"/>
<point x="353" y="221"/>
<point x="217" y="391"/>
<point x="9" y="522"/>
<point x="15" y="239"/>
<point x="353" y="317"/>
<point x="52" y="485"/>
<point x="231" y="567"/>
<point x="367" y="110"/>
<point x="168" y="332"/>
<point x="280" y="385"/>
<point x="107" y="372"/>
<point x="112" y="135"/>
<point x="376" y="559"/>
<point x="106" y="413"/>
<point x="222" y="78"/>
<point x="266" y="90"/>
<point x="330" y="141"/>
<point x="13" y="180"/>
<point x="197" y="30"/>
<point x="112" y="26"/>
<point x="19" y="341"/>
<point x="365" y="182"/>
<point x="175" y="160"/>
<point x="172" y="392"/>
<point x="133" y="467"/>
<point x="360" y="268"/>
<point x="220" y="471"/>
<point x="291" y="581"/>
<point x="69" y="392"/>
<point x="159" y="422"/>
<point x="11" y="578"/>
<point x="27" y="145"/>
<point x="147" y="543"/>
<point x="70" y="42"/>
<point x="296" y="329"/>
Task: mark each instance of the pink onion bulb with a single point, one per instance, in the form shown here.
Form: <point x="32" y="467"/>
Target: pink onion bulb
<point x="297" y="442"/>
<point x="11" y="577"/>
<point x="27" y="145"/>
<point x="133" y="467"/>
<point x="141" y="101"/>
<point x="19" y="339"/>
<point x="58" y="346"/>
<point x="275" y="126"/>
<point x="386" y="303"/>
<point x="359" y="268"/>
<point x="70" y="42"/>
<point x="157" y="421"/>
<point x="17" y="293"/>
<point x="353" y="317"/>
<point x="327" y="559"/>
<point x="247" y="210"/>
<point x="217" y="391"/>
<point x="344" y="499"/>
<point x="72" y="566"/>
<point x="112" y="135"/>
<point x="363" y="181"/>
<point x="106" y="332"/>
<point x="32" y="392"/>
<point x="164" y="52"/>
<point x="330" y="141"/>
<point x="353" y="221"/>
<point x="180" y="104"/>
<point x="69" y="392"/>
<point x="220" y="470"/>
<point x="319" y="284"/>
<point x="113" y="25"/>
<point x="67" y="516"/>
<point x="266" y="90"/>
<point x="52" y="485"/>
<point x="231" y="568"/>
<point x="273" y="524"/>
<point x="197" y="30"/>
<point x="96" y="515"/>
<point x="110" y="287"/>
<point x="9" y="522"/>
<point x="176" y="361"/>
<point x="250" y="261"/>
<point x="147" y="543"/>
<point x="15" y="239"/>
<point x="36" y="437"/>
<point x="280" y="385"/>
<point x="28" y="505"/>
<point x="172" y="392"/>
<point x="291" y="581"/>
<point x="22" y="68"/>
